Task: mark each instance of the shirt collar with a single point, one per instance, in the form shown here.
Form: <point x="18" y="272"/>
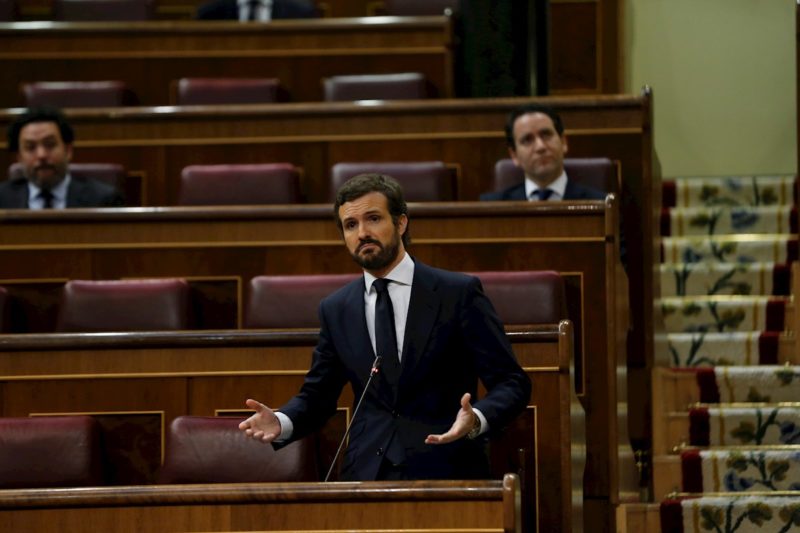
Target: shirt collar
<point x="403" y="273"/>
<point x="559" y="186"/>
<point x="59" y="191"/>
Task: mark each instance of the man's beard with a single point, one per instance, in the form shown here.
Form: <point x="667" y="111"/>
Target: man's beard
<point x="382" y="258"/>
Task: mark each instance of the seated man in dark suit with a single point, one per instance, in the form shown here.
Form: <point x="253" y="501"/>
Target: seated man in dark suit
<point x="438" y="336"/>
<point x="537" y="144"/>
<point x="42" y="139"/>
<point x="256" y="10"/>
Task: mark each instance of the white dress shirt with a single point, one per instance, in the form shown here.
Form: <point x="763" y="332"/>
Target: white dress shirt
<point x="559" y="186"/>
<point x="263" y="10"/>
<point x="59" y="195"/>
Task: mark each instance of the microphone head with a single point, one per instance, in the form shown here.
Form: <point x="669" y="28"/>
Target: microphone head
<point x="376" y="364"/>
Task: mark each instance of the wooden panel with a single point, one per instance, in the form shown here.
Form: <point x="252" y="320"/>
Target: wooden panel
<point x="584" y="55"/>
<point x="147" y="56"/>
<point x="431" y="506"/>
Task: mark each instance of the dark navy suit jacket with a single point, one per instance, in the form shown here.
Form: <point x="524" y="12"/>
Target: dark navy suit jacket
<point x="453" y="338"/>
<point x="281" y="9"/>
<point x="574" y="191"/>
<point x="82" y="192"/>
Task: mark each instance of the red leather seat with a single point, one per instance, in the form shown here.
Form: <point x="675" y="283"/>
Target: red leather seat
<point x="599" y="173"/>
<point x="422" y="181"/>
<point x="77" y="94"/>
<point x="289" y="301"/>
<point x="274" y="183"/>
<point x="216" y="91"/>
<point x="103" y="10"/>
<point x="207" y="449"/>
<point x="526" y="297"/>
<point x="403" y="86"/>
<point x="134" y="305"/>
<point x="58" y="451"/>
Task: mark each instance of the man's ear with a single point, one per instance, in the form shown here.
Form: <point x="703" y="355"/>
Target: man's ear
<point x="402" y="223"/>
<point x="513" y="155"/>
<point x="564" y="142"/>
<point x="68" y="152"/>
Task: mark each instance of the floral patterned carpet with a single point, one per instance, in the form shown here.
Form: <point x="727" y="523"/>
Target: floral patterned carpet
<point x="728" y="246"/>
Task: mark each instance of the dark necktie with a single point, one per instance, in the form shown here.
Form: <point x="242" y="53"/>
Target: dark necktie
<point x="385" y="333"/>
<point x="253" y="6"/>
<point x="541" y="194"/>
<point x="47" y="198"/>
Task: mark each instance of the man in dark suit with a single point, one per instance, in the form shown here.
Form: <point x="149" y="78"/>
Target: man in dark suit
<point x="256" y="10"/>
<point x="441" y="336"/>
<point x="537" y="144"/>
<point x="42" y="139"/>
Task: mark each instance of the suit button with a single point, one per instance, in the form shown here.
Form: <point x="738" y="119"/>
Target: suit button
<point x="379" y="451"/>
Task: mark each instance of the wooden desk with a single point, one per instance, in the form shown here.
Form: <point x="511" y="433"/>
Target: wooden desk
<point x="136" y="384"/>
<point x="408" y="506"/>
<point x="147" y="56"/>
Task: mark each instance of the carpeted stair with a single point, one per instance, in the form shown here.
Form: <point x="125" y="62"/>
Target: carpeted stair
<point x="727" y="395"/>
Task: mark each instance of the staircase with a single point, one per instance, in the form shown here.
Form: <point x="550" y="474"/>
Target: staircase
<point x="726" y="387"/>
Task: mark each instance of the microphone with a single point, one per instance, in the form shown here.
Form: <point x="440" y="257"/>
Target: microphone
<point x="374" y="370"/>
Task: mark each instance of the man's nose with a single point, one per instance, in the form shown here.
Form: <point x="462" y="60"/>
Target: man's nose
<point x="41" y="152"/>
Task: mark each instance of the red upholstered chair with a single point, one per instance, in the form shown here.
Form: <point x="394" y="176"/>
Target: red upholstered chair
<point x="202" y="449"/>
<point x="58" y="451"/>
<point x="216" y="91"/>
<point x="599" y="173"/>
<point x="129" y="305"/>
<point x="103" y="10"/>
<point x="289" y="301"/>
<point x="422" y="181"/>
<point x="77" y="94"/>
<point x="403" y="86"/>
<point x="274" y="183"/>
<point x="415" y="8"/>
<point x="526" y="297"/>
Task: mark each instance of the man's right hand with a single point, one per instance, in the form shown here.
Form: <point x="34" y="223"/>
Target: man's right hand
<point x="263" y="425"/>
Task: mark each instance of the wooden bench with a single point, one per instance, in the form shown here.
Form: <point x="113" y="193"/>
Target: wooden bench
<point x="147" y="56"/>
<point x="578" y="239"/>
<point x="423" y="506"/>
<point x="136" y="384"/>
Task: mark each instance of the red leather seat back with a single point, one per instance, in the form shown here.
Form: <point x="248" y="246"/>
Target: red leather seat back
<point x="76" y="94"/>
<point x="217" y="91"/>
<point x="135" y="305"/>
<point x="526" y="297"/>
<point x="59" y="451"/>
<point x="403" y="86"/>
<point x="282" y="302"/>
<point x="422" y="181"/>
<point x="599" y="173"/>
<point x="207" y="449"/>
<point x="275" y="183"/>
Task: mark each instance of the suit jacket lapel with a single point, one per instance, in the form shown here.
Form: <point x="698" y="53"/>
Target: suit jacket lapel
<point x="422" y="312"/>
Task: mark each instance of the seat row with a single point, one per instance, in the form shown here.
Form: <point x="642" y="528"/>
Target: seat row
<point x="67" y="451"/>
<point x="222" y="91"/>
<point x="281" y="183"/>
<point x="272" y="302"/>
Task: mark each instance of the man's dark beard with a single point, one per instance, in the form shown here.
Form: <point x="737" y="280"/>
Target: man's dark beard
<point x="383" y="258"/>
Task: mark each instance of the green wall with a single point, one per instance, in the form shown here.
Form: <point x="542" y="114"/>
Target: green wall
<point x="723" y="74"/>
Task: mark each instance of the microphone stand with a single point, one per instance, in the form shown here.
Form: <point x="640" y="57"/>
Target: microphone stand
<point x="375" y="365"/>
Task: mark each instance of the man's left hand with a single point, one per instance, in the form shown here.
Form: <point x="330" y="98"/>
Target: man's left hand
<point x="465" y="420"/>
